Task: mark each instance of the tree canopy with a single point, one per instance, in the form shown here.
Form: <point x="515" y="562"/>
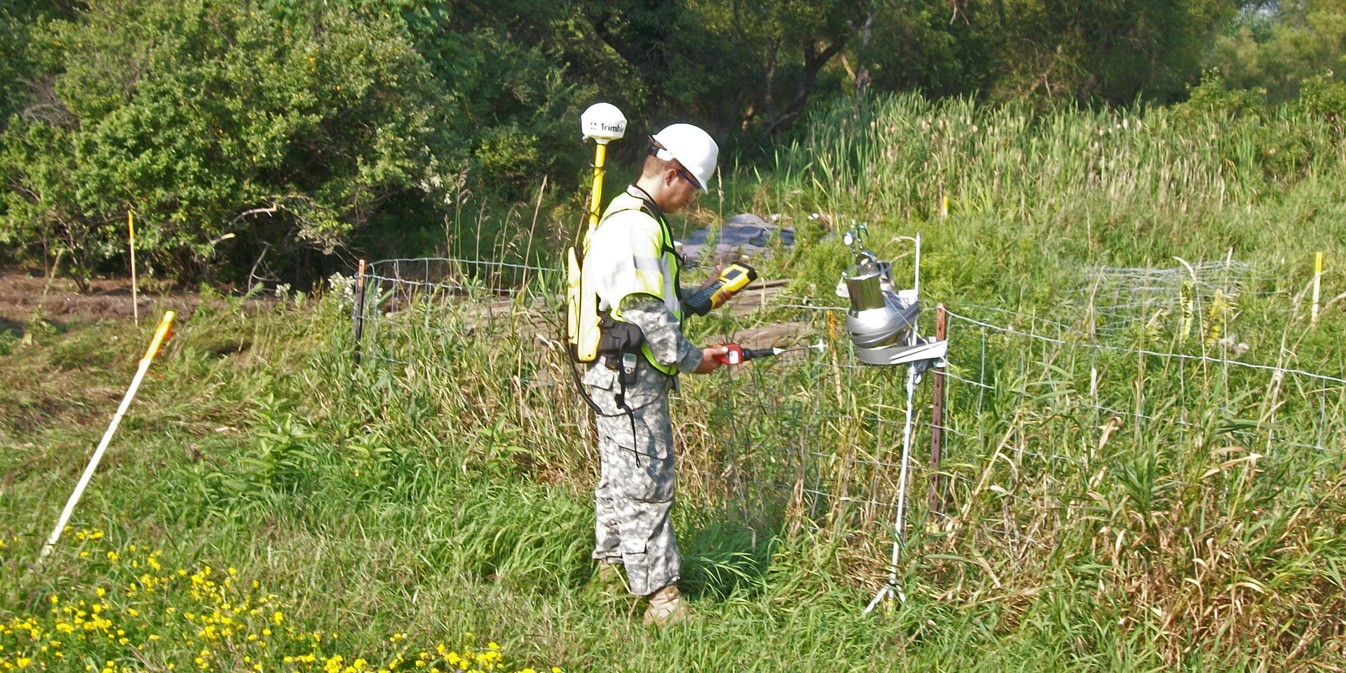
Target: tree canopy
<point x="280" y="130"/>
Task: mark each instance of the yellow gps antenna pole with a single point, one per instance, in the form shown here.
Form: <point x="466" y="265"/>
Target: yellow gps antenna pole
<point x="596" y="203"/>
<point x="604" y="123"/>
<point x="159" y="336"/>
<point x="135" y="302"/>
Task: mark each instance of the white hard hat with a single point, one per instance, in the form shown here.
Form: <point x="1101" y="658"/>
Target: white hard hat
<point x="692" y="147"/>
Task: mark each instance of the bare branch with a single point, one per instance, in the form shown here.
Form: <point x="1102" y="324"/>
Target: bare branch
<point x="256" y="211"/>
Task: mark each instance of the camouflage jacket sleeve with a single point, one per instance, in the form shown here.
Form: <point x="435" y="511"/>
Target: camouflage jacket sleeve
<point x="662" y="332"/>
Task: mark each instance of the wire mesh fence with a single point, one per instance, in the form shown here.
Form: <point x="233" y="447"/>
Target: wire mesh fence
<point x="1128" y="302"/>
<point x="1046" y="425"/>
<point x="1041" y="411"/>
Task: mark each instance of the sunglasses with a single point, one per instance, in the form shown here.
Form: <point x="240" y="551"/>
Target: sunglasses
<point x="682" y="172"/>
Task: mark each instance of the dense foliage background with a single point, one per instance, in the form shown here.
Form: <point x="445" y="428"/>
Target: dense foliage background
<point x="256" y="139"/>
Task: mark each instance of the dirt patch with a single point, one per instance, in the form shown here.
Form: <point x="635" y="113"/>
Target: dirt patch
<point x="24" y="296"/>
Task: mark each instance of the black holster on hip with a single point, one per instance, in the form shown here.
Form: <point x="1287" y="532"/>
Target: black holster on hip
<point x="619" y="345"/>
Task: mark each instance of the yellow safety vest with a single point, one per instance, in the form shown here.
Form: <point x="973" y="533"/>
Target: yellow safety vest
<point x="631" y="252"/>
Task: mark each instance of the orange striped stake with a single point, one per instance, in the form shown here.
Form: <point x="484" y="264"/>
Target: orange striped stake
<point x="159" y="336"/>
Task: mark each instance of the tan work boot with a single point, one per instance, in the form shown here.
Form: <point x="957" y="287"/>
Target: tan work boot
<point x="667" y="607"/>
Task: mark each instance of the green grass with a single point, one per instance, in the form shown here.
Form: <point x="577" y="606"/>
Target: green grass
<point x="443" y="487"/>
<point x="359" y="537"/>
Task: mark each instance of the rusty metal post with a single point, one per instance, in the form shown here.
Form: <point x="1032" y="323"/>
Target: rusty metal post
<point x="358" y="317"/>
<point x="936" y="501"/>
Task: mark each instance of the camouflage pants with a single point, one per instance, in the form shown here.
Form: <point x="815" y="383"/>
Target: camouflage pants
<point x="636" y="479"/>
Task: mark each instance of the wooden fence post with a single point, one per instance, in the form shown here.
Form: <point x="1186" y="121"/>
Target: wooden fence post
<point x="358" y="317"/>
<point x="936" y="500"/>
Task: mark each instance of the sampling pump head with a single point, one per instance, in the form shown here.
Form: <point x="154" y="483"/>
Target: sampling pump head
<point x="880" y="318"/>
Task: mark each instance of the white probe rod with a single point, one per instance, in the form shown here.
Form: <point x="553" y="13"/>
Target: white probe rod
<point x="107" y="437"/>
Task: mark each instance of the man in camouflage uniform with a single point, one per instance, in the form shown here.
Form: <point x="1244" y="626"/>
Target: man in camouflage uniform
<point x="630" y="264"/>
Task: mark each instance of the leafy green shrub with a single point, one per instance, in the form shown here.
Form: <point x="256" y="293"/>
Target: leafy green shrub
<point x="1324" y="96"/>
<point x="1212" y="97"/>
<point x="225" y="129"/>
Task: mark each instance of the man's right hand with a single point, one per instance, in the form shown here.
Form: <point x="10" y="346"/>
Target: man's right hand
<point x="708" y="361"/>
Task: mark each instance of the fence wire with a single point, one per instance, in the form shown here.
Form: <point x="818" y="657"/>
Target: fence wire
<point x="1040" y="418"/>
